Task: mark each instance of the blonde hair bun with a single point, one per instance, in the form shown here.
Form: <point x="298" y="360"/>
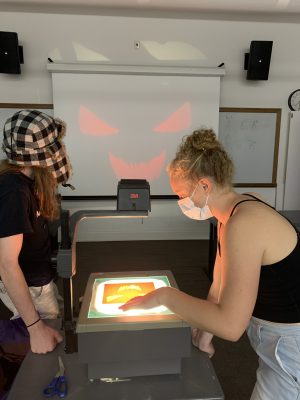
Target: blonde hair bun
<point x="202" y="139"/>
<point x="201" y="154"/>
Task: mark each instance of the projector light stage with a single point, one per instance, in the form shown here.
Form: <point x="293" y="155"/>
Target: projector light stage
<point x="115" y="343"/>
<point x="109" y="294"/>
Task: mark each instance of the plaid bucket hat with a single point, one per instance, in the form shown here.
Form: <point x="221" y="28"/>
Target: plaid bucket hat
<point x="32" y="138"/>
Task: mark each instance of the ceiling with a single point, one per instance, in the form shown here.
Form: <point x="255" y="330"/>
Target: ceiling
<point x="271" y="9"/>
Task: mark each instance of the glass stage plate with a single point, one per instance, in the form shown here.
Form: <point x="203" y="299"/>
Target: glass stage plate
<point x="106" y="292"/>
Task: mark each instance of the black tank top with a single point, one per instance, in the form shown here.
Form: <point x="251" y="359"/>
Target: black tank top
<point x="278" y="297"/>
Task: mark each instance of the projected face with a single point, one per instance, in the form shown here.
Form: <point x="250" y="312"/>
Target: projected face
<point x="129" y="126"/>
<point x="91" y="124"/>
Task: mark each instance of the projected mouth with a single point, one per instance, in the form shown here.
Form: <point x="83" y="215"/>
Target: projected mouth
<point x="149" y="170"/>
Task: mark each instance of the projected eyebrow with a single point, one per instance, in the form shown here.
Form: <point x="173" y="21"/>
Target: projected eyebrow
<point x="91" y="124"/>
<point x="177" y="121"/>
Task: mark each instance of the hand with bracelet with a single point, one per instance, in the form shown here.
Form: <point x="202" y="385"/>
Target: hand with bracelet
<point x="43" y="338"/>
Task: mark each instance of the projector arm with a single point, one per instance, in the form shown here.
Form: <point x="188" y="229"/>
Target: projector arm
<point x="66" y="261"/>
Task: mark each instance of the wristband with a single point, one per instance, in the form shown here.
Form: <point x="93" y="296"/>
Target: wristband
<point x="28" y="326"/>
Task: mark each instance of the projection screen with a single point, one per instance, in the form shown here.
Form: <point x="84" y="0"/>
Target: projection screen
<point x="128" y="126"/>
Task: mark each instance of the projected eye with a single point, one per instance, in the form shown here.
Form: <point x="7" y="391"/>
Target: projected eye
<point x="177" y="121"/>
<point x="92" y="125"/>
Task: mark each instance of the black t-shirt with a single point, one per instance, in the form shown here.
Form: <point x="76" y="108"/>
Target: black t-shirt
<point x="19" y="214"/>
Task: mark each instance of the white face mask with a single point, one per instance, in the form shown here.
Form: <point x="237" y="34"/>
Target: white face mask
<point x="191" y="211"/>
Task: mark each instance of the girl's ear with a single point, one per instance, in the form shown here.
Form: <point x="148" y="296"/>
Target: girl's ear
<point x="206" y="184"/>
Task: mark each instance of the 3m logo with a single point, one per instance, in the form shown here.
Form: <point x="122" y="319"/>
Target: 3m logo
<point x="134" y="195"/>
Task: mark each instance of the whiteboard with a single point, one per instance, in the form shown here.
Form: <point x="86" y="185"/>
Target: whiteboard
<point x="251" y="137"/>
<point x="128" y="126"/>
<point x="292" y="182"/>
<point x="8" y="109"/>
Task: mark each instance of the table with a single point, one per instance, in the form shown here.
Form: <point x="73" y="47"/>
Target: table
<point x="197" y="380"/>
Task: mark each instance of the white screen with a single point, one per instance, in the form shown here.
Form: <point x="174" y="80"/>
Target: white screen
<point x="129" y="126"/>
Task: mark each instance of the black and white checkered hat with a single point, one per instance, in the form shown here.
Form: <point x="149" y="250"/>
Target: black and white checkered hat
<point x="32" y="138"/>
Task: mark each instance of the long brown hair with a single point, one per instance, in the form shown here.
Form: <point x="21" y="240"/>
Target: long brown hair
<point x="44" y="188"/>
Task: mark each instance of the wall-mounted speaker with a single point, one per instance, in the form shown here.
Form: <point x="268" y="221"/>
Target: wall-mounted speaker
<point x="11" y="54"/>
<point x="257" y="61"/>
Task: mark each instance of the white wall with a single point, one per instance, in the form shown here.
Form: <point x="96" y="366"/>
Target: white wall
<point x="74" y="38"/>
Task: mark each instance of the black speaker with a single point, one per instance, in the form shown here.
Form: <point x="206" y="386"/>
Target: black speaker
<point x="10" y="53"/>
<point x="257" y="61"/>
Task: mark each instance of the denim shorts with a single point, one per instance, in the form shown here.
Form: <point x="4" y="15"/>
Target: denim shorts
<point x="278" y="349"/>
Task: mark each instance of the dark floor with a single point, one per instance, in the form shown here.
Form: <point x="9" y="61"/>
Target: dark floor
<point x="234" y="363"/>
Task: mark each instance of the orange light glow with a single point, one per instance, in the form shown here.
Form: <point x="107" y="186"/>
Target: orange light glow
<point x="91" y="124"/>
<point x="110" y="294"/>
<point x="144" y="170"/>
<point x="121" y="292"/>
<point x="176" y="122"/>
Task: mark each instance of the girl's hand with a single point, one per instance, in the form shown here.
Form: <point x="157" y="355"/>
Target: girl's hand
<point x="150" y="300"/>
<point x="43" y="338"/>
<point x="203" y="340"/>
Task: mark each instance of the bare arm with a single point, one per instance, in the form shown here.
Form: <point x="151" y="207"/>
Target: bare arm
<point x="42" y="337"/>
<point x="214" y="291"/>
<point x="203" y="339"/>
<point x="242" y="251"/>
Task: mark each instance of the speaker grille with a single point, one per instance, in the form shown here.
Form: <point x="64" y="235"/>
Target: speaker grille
<point x="9" y="53"/>
<point x="259" y="60"/>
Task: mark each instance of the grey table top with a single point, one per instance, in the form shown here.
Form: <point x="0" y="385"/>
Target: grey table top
<point x="197" y="380"/>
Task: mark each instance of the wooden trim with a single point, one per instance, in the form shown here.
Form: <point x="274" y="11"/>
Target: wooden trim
<point x="250" y="110"/>
<point x="276" y="145"/>
<point x="26" y="105"/>
<point x="251" y="184"/>
<point x="276" y="111"/>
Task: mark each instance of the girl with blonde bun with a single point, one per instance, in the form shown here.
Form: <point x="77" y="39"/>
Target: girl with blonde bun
<point x="256" y="273"/>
